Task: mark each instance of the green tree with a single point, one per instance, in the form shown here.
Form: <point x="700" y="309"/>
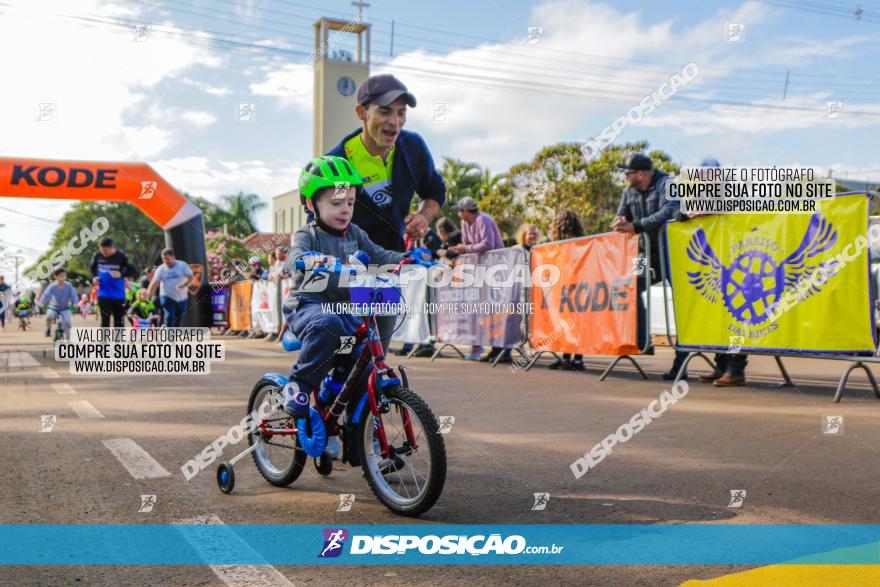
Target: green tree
<point x="560" y="178"/>
<point x="214" y="216"/>
<point x="131" y="231"/>
<point x="226" y="255"/>
<point x="241" y="209"/>
<point x="462" y="179"/>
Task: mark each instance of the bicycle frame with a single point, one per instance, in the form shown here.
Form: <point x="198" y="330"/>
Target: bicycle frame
<point x="371" y="358"/>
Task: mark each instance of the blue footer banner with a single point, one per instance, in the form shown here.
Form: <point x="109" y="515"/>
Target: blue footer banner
<point x="529" y="544"/>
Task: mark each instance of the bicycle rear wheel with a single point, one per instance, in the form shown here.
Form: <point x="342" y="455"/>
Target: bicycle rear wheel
<point x="279" y="458"/>
<point x="411" y="479"/>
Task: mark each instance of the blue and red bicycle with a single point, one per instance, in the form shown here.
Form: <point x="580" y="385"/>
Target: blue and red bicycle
<point x="384" y="427"/>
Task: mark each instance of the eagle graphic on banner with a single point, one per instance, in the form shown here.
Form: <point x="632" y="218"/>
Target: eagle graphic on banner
<point x="755" y="280"/>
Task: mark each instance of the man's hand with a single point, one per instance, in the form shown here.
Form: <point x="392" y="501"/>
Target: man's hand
<point x="457" y="249"/>
<point x="621" y="224"/>
<point x="95" y="281"/>
<point x="115" y="274"/>
<point x="416" y="225"/>
<point x="182" y="285"/>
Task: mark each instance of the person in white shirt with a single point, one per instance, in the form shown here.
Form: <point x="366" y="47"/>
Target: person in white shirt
<point x="172" y="278"/>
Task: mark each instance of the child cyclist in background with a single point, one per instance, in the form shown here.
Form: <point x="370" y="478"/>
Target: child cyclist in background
<point x="327" y="187"/>
<point x="60" y="296"/>
<point x="143" y="308"/>
<point x="84" y="306"/>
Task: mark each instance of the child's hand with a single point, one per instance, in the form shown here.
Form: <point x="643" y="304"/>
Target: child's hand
<point x="313" y="261"/>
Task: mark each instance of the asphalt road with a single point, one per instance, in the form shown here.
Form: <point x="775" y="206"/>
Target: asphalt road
<point x="514" y="434"/>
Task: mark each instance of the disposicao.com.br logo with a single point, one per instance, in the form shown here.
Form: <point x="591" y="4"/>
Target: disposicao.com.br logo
<point x="451" y="544"/>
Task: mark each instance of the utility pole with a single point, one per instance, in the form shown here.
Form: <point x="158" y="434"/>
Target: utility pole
<point x="360" y="5"/>
<point x="18" y="261"/>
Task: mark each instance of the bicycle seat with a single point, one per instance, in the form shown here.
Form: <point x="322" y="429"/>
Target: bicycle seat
<point x="289" y="342"/>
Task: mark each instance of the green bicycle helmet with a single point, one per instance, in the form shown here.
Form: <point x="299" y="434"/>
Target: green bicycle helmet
<point x="327" y="171"/>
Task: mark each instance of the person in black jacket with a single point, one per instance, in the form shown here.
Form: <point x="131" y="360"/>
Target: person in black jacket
<point x="110" y="268"/>
<point x="449" y="237"/>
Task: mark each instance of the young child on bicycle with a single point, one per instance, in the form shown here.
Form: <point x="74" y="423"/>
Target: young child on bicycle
<point x="23" y="311"/>
<point x="62" y="297"/>
<point x="327" y="188"/>
<point x="143" y="308"/>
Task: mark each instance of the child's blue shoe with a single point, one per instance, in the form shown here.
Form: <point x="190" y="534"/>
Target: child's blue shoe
<point x="296" y="401"/>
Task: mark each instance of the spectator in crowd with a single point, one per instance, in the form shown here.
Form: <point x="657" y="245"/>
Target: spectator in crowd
<point x="730" y="368"/>
<point x="479" y="234"/>
<point x="431" y="242"/>
<point x="84" y="306"/>
<point x="110" y="268"/>
<point x="270" y="270"/>
<point x="256" y="272"/>
<point x="4" y="303"/>
<point x="277" y="270"/>
<point x="450" y="236"/>
<point x="93" y="300"/>
<point x="644" y="209"/>
<point x="130" y="290"/>
<point x="567" y="225"/>
<point x="527" y="236"/>
<point x="172" y="278"/>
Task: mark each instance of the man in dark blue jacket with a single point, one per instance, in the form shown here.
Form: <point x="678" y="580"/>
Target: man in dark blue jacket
<point x="395" y="164"/>
<point x="109" y="268"/>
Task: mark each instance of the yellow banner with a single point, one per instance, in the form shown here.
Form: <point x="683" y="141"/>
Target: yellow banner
<point x="790" y="282"/>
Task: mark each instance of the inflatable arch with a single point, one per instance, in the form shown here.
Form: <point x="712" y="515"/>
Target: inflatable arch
<point x="137" y="183"/>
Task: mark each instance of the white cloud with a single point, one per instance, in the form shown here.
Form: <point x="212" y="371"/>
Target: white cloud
<point x="612" y="58"/>
<point x="291" y="84"/>
<point x="198" y="118"/>
<point x="219" y="91"/>
<point x="212" y="178"/>
<point x="95" y="75"/>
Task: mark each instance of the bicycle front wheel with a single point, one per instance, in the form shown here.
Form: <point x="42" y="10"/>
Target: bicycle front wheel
<point x="410" y="478"/>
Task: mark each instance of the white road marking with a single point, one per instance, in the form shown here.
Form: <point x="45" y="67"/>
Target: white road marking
<point x="85" y="410"/>
<point x="136" y="460"/>
<point x="253" y="352"/>
<point x="20" y="360"/>
<point x="48" y="373"/>
<point x="232" y="575"/>
<point x="63" y="388"/>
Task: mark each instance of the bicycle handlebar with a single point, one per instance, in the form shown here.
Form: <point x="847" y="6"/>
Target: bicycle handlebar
<point x="340" y="268"/>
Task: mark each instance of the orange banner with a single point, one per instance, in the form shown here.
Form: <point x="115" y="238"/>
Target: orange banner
<point x="240" y="305"/>
<point x="591" y="309"/>
<point x="96" y="180"/>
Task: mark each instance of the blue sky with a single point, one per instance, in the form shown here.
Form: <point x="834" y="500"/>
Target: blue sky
<point x="170" y="98"/>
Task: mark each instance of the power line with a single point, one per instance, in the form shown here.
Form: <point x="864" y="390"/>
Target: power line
<point x="737" y="90"/>
<point x="497" y="83"/>
<point x="29" y="215"/>
<point x="422" y="38"/>
<point x="825" y="9"/>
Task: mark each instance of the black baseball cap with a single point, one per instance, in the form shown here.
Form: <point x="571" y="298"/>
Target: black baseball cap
<point x="384" y="90"/>
<point x="638" y="162"/>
